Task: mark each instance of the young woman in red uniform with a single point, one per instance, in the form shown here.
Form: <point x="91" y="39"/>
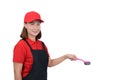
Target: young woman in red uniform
<point x="31" y="57"/>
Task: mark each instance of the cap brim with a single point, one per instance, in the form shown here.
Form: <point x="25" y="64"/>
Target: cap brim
<point x="41" y="21"/>
<point x="37" y="20"/>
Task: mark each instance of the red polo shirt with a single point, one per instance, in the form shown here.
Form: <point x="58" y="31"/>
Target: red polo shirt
<point x="22" y="54"/>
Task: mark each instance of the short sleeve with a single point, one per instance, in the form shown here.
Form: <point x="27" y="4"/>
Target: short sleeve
<point x="19" y="53"/>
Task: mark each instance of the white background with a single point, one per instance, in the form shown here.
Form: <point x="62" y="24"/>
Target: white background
<point x="87" y="28"/>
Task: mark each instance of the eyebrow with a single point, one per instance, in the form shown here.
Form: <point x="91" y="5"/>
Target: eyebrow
<point x="35" y="21"/>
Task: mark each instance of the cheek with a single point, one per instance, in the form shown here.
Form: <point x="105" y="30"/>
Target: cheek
<point x="38" y="28"/>
<point x="29" y="29"/>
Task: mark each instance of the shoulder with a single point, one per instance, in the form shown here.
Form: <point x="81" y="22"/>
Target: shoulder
<point x="40" y="42"/>
<point x="20" y="44"/>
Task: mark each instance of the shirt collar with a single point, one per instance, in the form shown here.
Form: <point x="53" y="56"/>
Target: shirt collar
<point x="31" y="41"/>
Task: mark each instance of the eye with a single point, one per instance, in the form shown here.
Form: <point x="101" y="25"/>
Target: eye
<point x="38" y="24"/>
<point x="32" y="23"/>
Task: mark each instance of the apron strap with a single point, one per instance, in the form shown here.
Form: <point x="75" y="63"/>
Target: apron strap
<point x="28" y="44"/>
<point x="43" y="45"/>
<point x="44" y="48"/>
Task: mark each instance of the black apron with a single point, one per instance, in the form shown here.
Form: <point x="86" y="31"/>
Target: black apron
<point x="39" y="66"/>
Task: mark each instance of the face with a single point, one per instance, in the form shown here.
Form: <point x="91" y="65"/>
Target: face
<point x="33" y="28"/>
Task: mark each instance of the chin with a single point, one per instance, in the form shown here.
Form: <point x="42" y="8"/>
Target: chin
<point x="35" y="34"/>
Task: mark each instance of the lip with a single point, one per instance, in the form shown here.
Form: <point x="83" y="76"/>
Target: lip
<point x="35" y="31"/>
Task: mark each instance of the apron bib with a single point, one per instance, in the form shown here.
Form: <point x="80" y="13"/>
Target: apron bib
<point x="39" y="66"/>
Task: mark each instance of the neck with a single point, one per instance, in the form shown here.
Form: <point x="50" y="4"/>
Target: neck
<point x="32" y="38"/>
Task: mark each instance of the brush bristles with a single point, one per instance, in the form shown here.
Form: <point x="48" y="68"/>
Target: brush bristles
<point x="87" y="63"/>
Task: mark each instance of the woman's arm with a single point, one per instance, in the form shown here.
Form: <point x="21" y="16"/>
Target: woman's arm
<point x="17" y="71"/>
<point x="54" y="62"/>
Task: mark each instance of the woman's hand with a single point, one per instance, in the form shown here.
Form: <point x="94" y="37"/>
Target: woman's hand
<point x="56" y="61"/>
<point x="71" y="56"/>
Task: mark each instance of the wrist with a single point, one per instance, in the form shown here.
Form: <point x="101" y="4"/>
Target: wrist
<point x="65" y="56"/>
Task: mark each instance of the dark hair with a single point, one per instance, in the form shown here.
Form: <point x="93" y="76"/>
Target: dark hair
<point x="24" y="34"/>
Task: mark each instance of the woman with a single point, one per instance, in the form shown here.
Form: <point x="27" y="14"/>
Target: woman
<point x="31" y="57"/>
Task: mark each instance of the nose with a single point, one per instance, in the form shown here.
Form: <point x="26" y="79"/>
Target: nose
<point x="36" y="26"/>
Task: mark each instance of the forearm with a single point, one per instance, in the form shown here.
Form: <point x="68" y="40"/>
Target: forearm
<point x="56" y="61"/>
<point x="17" y="71"/>
<point x="18" y="76"/>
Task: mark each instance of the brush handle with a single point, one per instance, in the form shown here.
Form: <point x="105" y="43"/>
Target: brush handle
<point x="85" y="62"/>
<point x="80" y="59"/>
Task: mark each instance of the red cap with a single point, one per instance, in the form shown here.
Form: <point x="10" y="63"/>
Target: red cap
<point x="31" y="16"/>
